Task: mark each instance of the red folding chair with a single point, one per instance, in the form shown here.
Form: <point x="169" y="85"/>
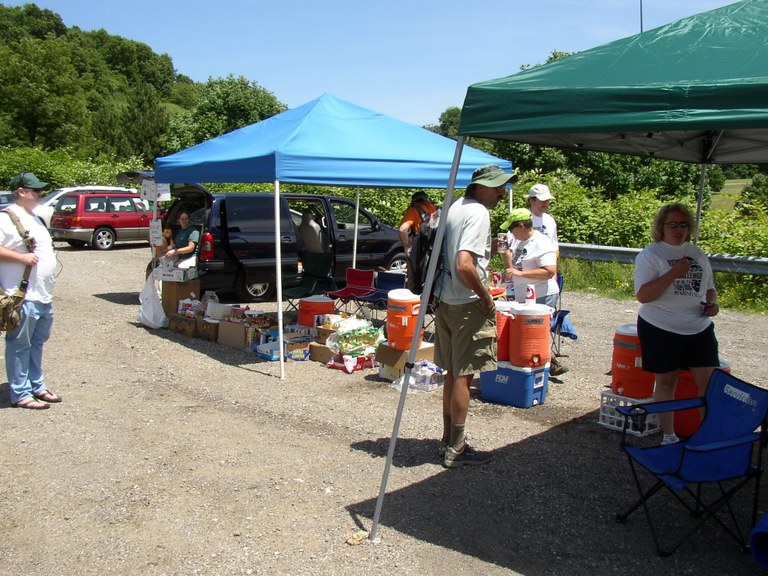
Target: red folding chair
<point x="359" y="284"/>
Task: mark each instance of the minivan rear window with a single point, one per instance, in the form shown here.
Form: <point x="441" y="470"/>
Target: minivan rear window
<point x="247" y="215"/>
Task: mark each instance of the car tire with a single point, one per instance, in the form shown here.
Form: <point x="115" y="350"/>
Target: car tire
<point x="103" y="238"/>
<point x="76" y="243"/>
<point x="398" y="262"/>
<point x="252" y="292"/>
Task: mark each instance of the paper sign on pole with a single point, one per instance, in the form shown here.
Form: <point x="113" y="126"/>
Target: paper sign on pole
<point x="149" y="190"/>
<point x="156" y="232"/>
<point x="154" y="192"/>
<point x="163" y="192"/>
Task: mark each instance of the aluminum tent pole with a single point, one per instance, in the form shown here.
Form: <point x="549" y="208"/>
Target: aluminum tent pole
<point x="357" y="217"/>
<point x="279" y="281"/>
<point x="415" y="341"/>
<point x="700" y="200"/>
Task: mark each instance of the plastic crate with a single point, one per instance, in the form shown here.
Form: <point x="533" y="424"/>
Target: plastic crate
<point x="610" y="418"/>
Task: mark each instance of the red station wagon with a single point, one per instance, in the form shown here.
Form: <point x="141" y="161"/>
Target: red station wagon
<point x="101" y="219"/>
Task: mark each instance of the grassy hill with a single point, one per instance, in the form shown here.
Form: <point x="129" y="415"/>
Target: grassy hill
<point x="726" y="198"/>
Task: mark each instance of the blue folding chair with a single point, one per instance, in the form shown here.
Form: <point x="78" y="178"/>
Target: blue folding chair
<point x="560" y="325"/>
<point x="384" y="282"/>
<point x="725" y="453"/>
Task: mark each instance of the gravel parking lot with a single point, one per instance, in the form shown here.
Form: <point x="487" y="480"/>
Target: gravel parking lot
<point x="172" y="455"/>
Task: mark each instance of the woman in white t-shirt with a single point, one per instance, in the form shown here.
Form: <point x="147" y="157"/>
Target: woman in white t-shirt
<point x="675" y="288"/>
<point x="530" y="259"/>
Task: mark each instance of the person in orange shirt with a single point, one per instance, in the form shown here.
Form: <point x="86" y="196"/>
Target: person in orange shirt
<point x="419" y="210"/>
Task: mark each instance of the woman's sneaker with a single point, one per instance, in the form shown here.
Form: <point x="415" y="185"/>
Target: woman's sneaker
<point x="467" y="457"/>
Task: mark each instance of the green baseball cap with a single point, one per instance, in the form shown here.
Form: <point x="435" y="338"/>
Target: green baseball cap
<point x="492" y="176"/>
<point x="516" y="215"/>
<point x="27" y="180"/>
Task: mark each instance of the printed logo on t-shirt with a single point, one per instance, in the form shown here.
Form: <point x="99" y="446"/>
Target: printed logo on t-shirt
<point x="690" y="284"/>
<point x="518" y="257"/>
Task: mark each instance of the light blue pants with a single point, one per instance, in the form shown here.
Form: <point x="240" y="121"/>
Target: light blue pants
<point x="550" y="300"/>
<point x="24" y="350"/>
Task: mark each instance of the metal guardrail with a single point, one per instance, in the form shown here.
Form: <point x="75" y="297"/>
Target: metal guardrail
<point x="719" y="262"/>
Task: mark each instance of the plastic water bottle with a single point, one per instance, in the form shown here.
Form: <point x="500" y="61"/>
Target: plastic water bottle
<point x="209" y="296"/>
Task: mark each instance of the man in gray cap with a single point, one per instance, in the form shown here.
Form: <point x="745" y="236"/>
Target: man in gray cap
<point x="24" y="344"/>
<point x="539" y="197"/>
<point x="465" y="321"/>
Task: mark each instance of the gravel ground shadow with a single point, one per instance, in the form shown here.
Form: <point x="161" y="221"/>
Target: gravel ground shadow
<point x="535" y="509"/>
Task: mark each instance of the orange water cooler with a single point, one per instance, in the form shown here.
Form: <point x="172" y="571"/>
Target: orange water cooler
<point x="627" y="375"/>
<point x="402" y="314"/>
<point x="529" y="338"/>
<point x="502" y="329"/>
<point x="313" y="306"/>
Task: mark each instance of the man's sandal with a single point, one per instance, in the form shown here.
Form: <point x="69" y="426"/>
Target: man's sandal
<point x="48" y="396"/>
<point x="31" y="404"/>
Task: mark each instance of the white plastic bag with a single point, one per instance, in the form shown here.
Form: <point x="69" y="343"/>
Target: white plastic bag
<point x="151" y="313"/>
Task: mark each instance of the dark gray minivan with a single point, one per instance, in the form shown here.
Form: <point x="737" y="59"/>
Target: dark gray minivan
<point x="237" y="237"/>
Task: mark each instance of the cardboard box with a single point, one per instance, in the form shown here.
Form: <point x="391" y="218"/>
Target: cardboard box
<point x="232" y="334"/>
<point x="520" y="386"/>
<point x="297" y="347"/>
<point x="174" y="274"/>
<point x="395" y="359"/>
<point x="322" y="334"/>
<point x="182" y="325"/>
<point x="175" y="291"/>
<point x="206" y="329"/>
<point x="320" y="352"/>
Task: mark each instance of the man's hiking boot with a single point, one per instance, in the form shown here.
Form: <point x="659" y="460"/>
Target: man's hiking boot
<point x="557" y="369"/>
<point x="467" y="457"/>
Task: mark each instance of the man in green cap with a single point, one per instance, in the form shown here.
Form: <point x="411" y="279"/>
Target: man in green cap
<point x="465" y="321"/>
<point x="24" y="344"/>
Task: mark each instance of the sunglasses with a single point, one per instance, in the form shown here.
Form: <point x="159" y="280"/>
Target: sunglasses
<point x="674" y="224"/>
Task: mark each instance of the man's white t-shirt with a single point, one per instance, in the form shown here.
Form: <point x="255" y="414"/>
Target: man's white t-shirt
<point x="678" y="309"/>
<point x="546" y="225"/>
<point x="42" y="275"/>
<point x="467" y="227"/>
<point x="534" y="253"/>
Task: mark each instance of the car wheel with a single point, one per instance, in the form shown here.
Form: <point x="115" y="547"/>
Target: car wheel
<point x="76" y="243"/>
<point x="398" y="262"/>
<point x="103" y="238"/>
<point x="250" y="292"/>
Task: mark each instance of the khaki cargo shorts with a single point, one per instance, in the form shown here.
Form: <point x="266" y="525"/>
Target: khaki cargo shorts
<point x="465" y="339"/>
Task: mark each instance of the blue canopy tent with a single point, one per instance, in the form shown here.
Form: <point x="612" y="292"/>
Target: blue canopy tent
<point x="327" y="141"/>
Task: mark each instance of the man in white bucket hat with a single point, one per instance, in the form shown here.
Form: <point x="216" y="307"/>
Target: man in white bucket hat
<point x="539" y="197"/>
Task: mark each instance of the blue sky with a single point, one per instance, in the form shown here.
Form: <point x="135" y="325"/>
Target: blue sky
<point x="410" y="59"/>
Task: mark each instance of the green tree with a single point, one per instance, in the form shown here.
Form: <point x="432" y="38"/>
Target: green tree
<point x="754" y="197"/>
<point x="41" y="94"/>
<point x="225" y="104"/>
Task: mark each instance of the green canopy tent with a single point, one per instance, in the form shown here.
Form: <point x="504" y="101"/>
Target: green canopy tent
<point x="695" y="90"/>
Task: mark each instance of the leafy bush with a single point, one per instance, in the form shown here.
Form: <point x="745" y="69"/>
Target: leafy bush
<point x="62" y="167"/>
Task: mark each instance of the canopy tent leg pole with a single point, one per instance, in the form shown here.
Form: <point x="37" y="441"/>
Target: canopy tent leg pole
<point x="415" y="341"/>
<point x="279" y="281"/>
<point x="702" y="183"/>
<point x="357" y="217"/>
